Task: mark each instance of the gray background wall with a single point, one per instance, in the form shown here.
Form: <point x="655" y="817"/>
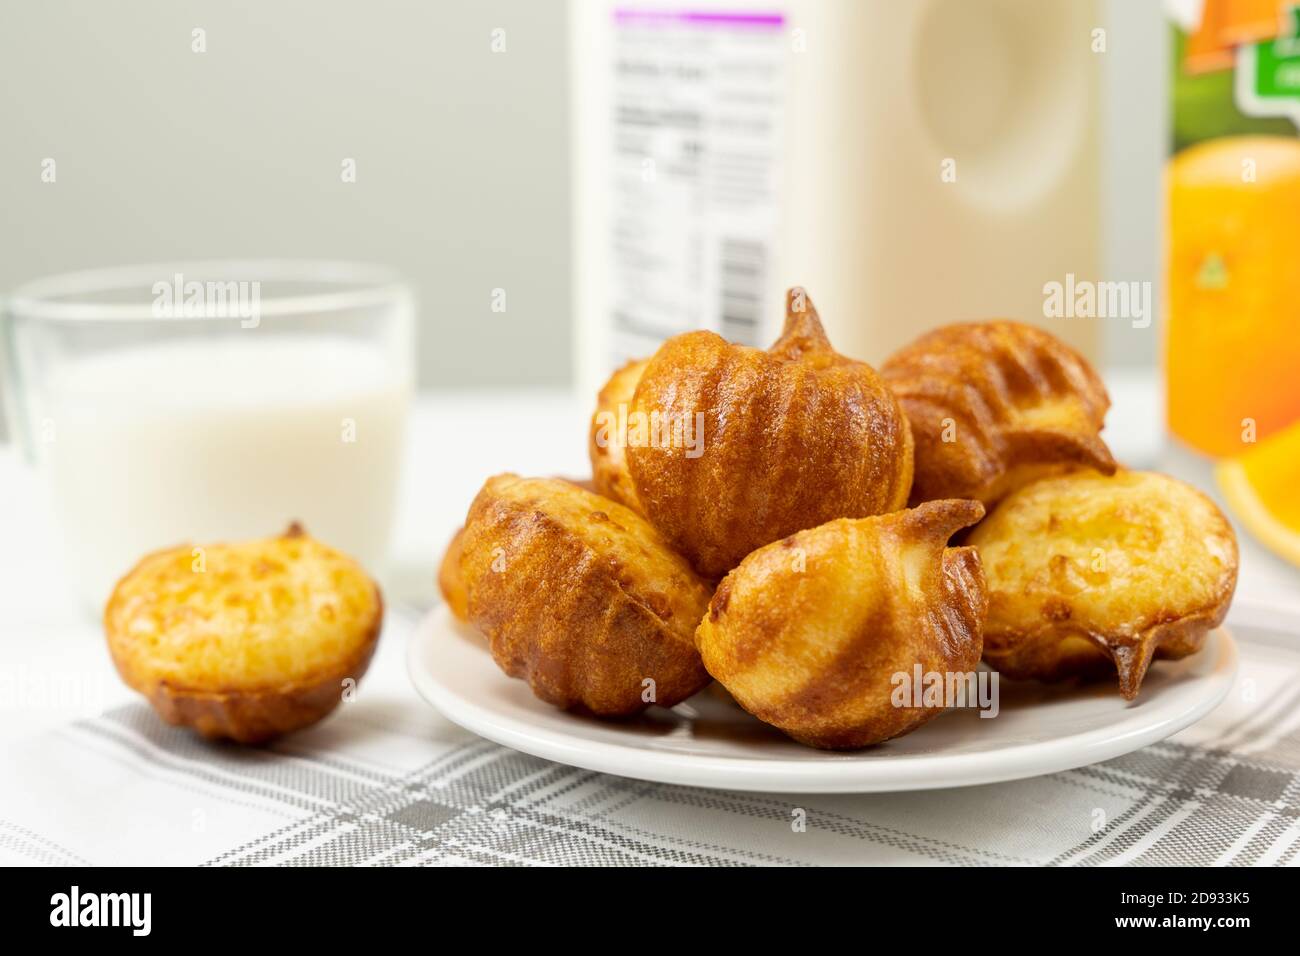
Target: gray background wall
<point x="1135" y="108"/>
<point x="163" y="153"/>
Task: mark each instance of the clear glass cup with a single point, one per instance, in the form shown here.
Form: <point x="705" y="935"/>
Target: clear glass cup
<point x="212" y="401"/>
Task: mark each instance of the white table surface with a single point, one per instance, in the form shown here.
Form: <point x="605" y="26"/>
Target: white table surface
<point x="57" y="667"/>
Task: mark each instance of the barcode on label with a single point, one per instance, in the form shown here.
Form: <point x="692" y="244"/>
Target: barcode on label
<point x="742" y="265"/>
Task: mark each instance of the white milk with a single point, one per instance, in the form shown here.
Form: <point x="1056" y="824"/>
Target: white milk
<point x="220" y="439"/>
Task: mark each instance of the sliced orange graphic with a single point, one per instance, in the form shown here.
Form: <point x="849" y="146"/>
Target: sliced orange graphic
<point x="1232" y="351"/>
<point x="1263" y="490"/>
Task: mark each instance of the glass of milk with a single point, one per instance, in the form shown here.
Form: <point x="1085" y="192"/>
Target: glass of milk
<point x="212" y="401"/>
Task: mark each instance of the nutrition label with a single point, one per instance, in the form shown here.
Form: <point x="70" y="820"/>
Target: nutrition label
<point x="697" y="101"/>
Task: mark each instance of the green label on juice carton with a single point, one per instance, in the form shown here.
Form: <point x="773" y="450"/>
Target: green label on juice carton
<point x="1268" y="73"/>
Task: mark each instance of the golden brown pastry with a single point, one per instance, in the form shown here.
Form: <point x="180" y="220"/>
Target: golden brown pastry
<point x="759" y="444"/>
<point x="248" y="640"/>
<point x="1089" y="573"/>
<point x="581" y="597"/>
<point x="450" y="581"/>
<point x="995" y="405"/>
<point x="809" y="633"/>
<point x="606" y="438"/>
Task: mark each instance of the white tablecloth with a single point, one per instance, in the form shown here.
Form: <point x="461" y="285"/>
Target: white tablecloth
<point x="89" y="775"/>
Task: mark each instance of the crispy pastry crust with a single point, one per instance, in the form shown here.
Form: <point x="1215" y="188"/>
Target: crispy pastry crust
<point x="450" y="581"/>
<point x="606" y="442"/>
<point x="1091" y="575"/>
<point x="256" y="645"/>
<point x="792" y="437"/>
<point x="581" y="597"/>
<point x="252" y="717"/>
<point x="809" y="633"/>
<point x="1014" y="402"/>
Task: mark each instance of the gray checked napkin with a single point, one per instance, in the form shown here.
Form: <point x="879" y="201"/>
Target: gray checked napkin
<point x="386" y="781"/>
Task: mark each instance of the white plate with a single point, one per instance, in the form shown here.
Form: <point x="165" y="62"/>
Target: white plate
<point x="710" y="742"/>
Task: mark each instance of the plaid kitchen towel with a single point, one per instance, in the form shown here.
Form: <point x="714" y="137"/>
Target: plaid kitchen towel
<point x="388" y="782"/>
